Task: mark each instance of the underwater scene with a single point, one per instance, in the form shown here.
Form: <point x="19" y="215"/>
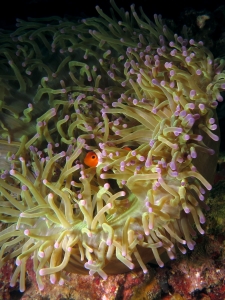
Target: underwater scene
<point x="112" y="150"/>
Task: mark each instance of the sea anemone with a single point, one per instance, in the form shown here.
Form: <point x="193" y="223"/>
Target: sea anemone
<point x="139" y="97"/>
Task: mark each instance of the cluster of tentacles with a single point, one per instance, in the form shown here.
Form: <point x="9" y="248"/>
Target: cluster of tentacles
<point x="143" y="100"/>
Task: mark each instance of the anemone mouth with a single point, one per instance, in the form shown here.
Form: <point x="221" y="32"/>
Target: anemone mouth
<point x="148" y="114"/>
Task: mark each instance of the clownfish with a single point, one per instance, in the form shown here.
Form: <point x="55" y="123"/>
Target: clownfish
<point x="127" y="148"/>
<point x="91" y="159"/>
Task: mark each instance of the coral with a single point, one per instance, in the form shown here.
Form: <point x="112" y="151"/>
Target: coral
<point x="201" y="20"/>
<point x="139" y="96"/>
<point x="200" y="273"/>
<point x="150" y="290"/>
<point x="215" y="201"/>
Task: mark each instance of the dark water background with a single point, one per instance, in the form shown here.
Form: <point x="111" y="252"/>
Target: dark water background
<point x="10" y="10"/>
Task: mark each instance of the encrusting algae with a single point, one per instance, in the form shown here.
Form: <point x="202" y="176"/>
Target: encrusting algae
<point x="142" y="100"/>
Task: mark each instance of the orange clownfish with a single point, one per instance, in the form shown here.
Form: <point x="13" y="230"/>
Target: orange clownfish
<point x="91" y="159"/>
<point x="127" y="148"/>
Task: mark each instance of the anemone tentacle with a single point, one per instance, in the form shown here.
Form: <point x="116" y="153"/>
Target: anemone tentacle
<point x="140" y="97"/>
